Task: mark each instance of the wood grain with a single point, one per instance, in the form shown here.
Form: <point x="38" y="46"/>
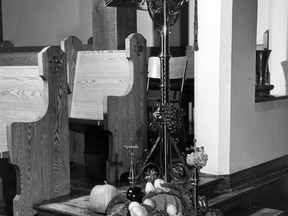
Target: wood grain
<point x="79" y="206"/>
<point x="128" y="115"/>
<point x="110" y="86"/>
<point x="22" y="99"/>
<point x="112" y="25"/>
<point x="34" y="113"/>
<point x="71" y="45"/>
<point x="18" y="59"/>
<point x="98" y="75"/>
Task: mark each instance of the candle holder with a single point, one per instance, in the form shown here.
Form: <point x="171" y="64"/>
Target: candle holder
<point x="263" y="52"/>
<point x="196" y="160"/>
<point x="133" y="193"/>
<point x="263" y="86"/>
<point x="164" y="13"/>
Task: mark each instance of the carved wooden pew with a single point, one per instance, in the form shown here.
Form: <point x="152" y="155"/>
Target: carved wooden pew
<point x="34" y="125"/>
<point x="108" y="88"/>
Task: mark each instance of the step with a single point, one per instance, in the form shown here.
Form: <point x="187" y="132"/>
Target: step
<point x="208" y="186"/>
<point x="262" y="212"/>
<point x="77" y="202"/>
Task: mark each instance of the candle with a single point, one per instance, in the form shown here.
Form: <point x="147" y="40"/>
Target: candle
<point x="190" y="118"/>
<point x="266" y="40"/>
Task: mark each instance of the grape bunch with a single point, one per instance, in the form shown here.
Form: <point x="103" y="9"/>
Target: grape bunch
<point x="173" y="115"/>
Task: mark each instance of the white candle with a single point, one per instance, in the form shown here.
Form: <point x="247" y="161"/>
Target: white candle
<point x="266" y="40"/>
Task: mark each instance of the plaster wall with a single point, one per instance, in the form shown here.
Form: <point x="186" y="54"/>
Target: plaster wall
<point x="236" y="132"/>
<point x="273" y="16"/>
<point x="207" y="75"/>
<point x="258" y="131"/>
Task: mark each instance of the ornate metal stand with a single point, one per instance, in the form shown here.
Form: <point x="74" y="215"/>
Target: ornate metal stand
<point x="164" y="13"/>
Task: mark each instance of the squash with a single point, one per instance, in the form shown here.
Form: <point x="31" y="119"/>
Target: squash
<point x="171" y="209"/>
<point x="138" y="211"/>
<point x="100" y="197"/>
<point x="149" y="202"/>
<point x="149" y="187"/>
<point x="158" y="185"/>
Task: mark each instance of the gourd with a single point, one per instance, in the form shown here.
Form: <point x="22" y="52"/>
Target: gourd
<point x="171" y="209"/>
<point x="138" y="211"/>
<point x="149" y="202"/>
<point x="149" y="187"/>
<point x="158" y="185"/>
<point x="100" y="197"/>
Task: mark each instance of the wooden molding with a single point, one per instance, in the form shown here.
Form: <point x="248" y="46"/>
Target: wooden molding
<point x="258" y="174"/>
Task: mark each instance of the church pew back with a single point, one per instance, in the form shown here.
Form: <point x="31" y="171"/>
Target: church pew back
<point x="71" y="45"/>
<point x="21" y="90"/>
<point x="34" y="128"/>
<point x="108" y="88"/>
<point x="19" y="56"/>
<point x="99" y="75"/>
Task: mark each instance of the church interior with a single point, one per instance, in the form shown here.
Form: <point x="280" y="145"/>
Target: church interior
<point x="121" y="94"/>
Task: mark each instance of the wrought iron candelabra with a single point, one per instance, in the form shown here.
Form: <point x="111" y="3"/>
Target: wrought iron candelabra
<point x="164" y="13"/>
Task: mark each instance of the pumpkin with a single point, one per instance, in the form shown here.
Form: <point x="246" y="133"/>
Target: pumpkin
<point x="100" y="197"/>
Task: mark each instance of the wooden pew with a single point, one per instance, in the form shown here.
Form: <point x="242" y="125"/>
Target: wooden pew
<point x="34" y="125"/>
<point x="108" y="88"/>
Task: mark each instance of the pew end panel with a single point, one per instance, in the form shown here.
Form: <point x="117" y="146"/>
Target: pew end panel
<point x="126" y="117"/>
<point x="71" y="45"/>
<point x="36" y="129"/>
<point x="109" y="90"/>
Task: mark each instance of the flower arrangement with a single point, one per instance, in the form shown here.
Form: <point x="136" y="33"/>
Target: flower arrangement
<point x="197" y="158"/>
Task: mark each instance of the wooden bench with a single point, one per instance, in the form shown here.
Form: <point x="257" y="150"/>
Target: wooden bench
<point x="34" y="125"/>
<point x="108" y="88"/>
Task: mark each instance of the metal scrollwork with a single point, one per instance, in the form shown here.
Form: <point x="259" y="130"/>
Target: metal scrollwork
<point x="167" y="119"/>
<point x="155" y="10"/>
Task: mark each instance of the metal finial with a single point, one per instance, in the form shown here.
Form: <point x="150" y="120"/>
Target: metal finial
<point x="131" y="148"/>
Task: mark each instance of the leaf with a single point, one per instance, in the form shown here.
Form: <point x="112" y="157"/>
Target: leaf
<point x="120" y="198"/>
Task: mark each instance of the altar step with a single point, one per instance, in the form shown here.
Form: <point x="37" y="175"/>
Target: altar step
<point x="266" y="198"/>
<point x="270" y="195"/>
<point x="232" y="203"/>
<point x="261" y="212"/>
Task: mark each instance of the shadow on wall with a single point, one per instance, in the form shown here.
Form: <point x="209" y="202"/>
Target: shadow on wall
<point x="285" y="71"/>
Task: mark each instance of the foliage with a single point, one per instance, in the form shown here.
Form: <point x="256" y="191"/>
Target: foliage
<point x="197" y="158"/>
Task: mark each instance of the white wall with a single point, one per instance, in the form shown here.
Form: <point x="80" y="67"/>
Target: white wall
<point x="236" y="132"/>
<point x="207" y="81"/>
<point x="273" y="15"/>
